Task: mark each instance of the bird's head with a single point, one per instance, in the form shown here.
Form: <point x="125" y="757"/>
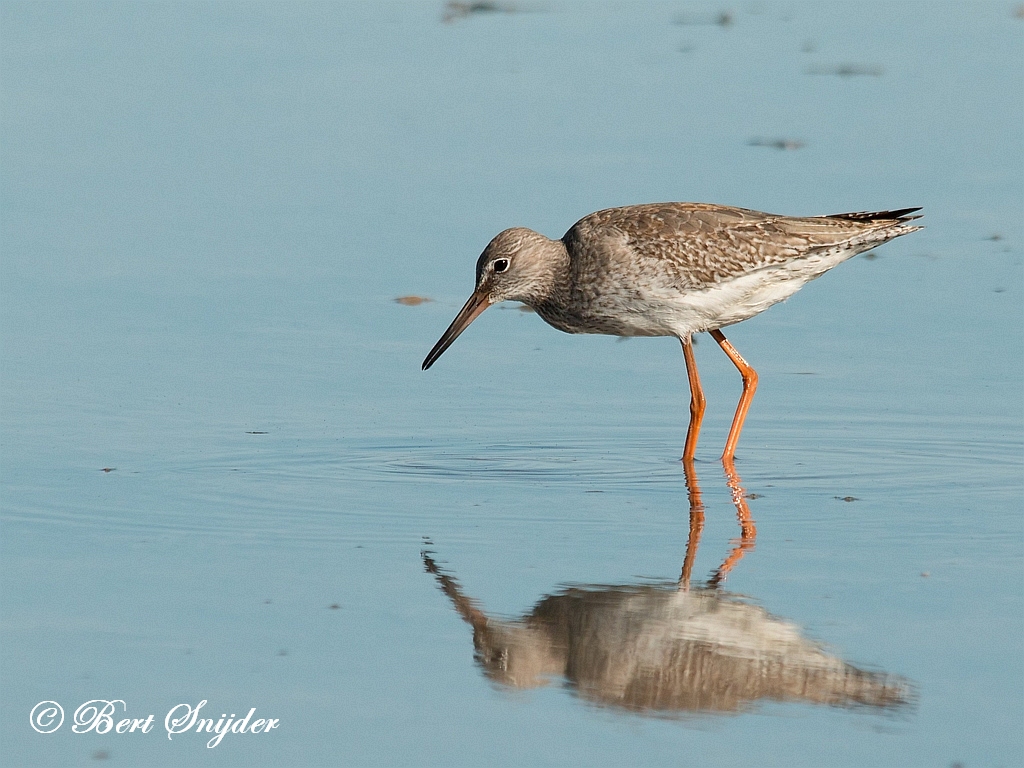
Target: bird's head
<point x="519" y="265"/>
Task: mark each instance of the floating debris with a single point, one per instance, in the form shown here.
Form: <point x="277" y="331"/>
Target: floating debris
<point x="108" y="469"/>
<point x="847" y="70"/>
<point x="925" y="574"/>
<point x="720" y="19"/>
<point x="255" y="433"/>
<point x="454" y="11"/>
<point x="846" y="498"/>
<point x="412" y="301"/>
<point x="334" y="606"/>
<point x="995" y="238"/>
<point x="783" y="144"/>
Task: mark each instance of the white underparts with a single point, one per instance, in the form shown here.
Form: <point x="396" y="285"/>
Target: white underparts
<point x="671" y="313"/>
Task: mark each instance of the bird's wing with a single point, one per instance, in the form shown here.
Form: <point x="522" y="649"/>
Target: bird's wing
<point x="695" y="244"/>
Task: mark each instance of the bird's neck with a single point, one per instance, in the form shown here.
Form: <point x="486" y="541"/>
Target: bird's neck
<point x="558" y="280"/>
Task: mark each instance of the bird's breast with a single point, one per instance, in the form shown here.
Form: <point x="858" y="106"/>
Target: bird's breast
<point x="614" y="313"/>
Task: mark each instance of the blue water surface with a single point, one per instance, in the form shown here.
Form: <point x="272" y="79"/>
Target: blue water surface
<point x="221" y="463"/>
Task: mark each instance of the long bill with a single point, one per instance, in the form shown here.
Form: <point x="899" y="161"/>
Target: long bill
<point x="477" y="303"/>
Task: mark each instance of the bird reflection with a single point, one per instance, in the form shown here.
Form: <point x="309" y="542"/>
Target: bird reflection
<point x="668" y="649"/>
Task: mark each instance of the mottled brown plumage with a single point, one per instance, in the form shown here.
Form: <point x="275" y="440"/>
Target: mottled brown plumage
<point x="669" y="269"/>
<point x="708" y="244"/>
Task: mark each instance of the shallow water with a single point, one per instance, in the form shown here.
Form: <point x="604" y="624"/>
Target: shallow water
<point x="207" y="213"/>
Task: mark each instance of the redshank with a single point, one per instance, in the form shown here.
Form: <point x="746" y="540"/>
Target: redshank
<point x="670" y="269"/>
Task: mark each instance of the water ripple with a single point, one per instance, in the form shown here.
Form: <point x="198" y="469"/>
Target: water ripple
<point x="597" y="463"/>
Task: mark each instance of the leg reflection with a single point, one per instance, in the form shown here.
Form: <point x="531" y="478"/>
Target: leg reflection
<point x="696" y="523"/>
<point x="748" y="531"/>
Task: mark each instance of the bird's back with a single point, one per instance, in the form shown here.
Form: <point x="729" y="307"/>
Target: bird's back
<point x="694" y="246"/>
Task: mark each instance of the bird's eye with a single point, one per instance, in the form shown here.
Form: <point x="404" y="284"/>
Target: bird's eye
<point x="500" y="265"/>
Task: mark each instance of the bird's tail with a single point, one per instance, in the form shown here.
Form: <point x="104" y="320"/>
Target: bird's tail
<point x="901" y="215"/>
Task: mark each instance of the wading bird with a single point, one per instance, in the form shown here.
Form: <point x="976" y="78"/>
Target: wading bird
<point x="670" y="269"/>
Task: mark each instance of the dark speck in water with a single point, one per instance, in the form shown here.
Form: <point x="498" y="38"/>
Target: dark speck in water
<point x="458" y="10"/>
<point x="847" y="498"/>
<point x="995" y="238"/>
<point x="255" y="433"/>
<point x="783" y="144"/>
<point x="846" y="70"/>
<point x="412" y="301"/>
<point x="108" y="469"/>
<point x="722" y="19"/>
<point x="101" y="754"/>
<point x="334" y="606"/>
<point x="755" y="496"/>
<point x="282" y="652"/>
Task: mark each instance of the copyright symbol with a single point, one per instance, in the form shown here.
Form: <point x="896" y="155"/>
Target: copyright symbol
<point x="46" y="716"/>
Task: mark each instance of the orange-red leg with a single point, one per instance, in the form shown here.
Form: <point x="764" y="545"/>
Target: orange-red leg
<point x="697" y="403"/>
<point x="749" y="387"/>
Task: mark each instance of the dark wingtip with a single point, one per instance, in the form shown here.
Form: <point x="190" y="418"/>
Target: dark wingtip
<point x="900" y="214"/>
